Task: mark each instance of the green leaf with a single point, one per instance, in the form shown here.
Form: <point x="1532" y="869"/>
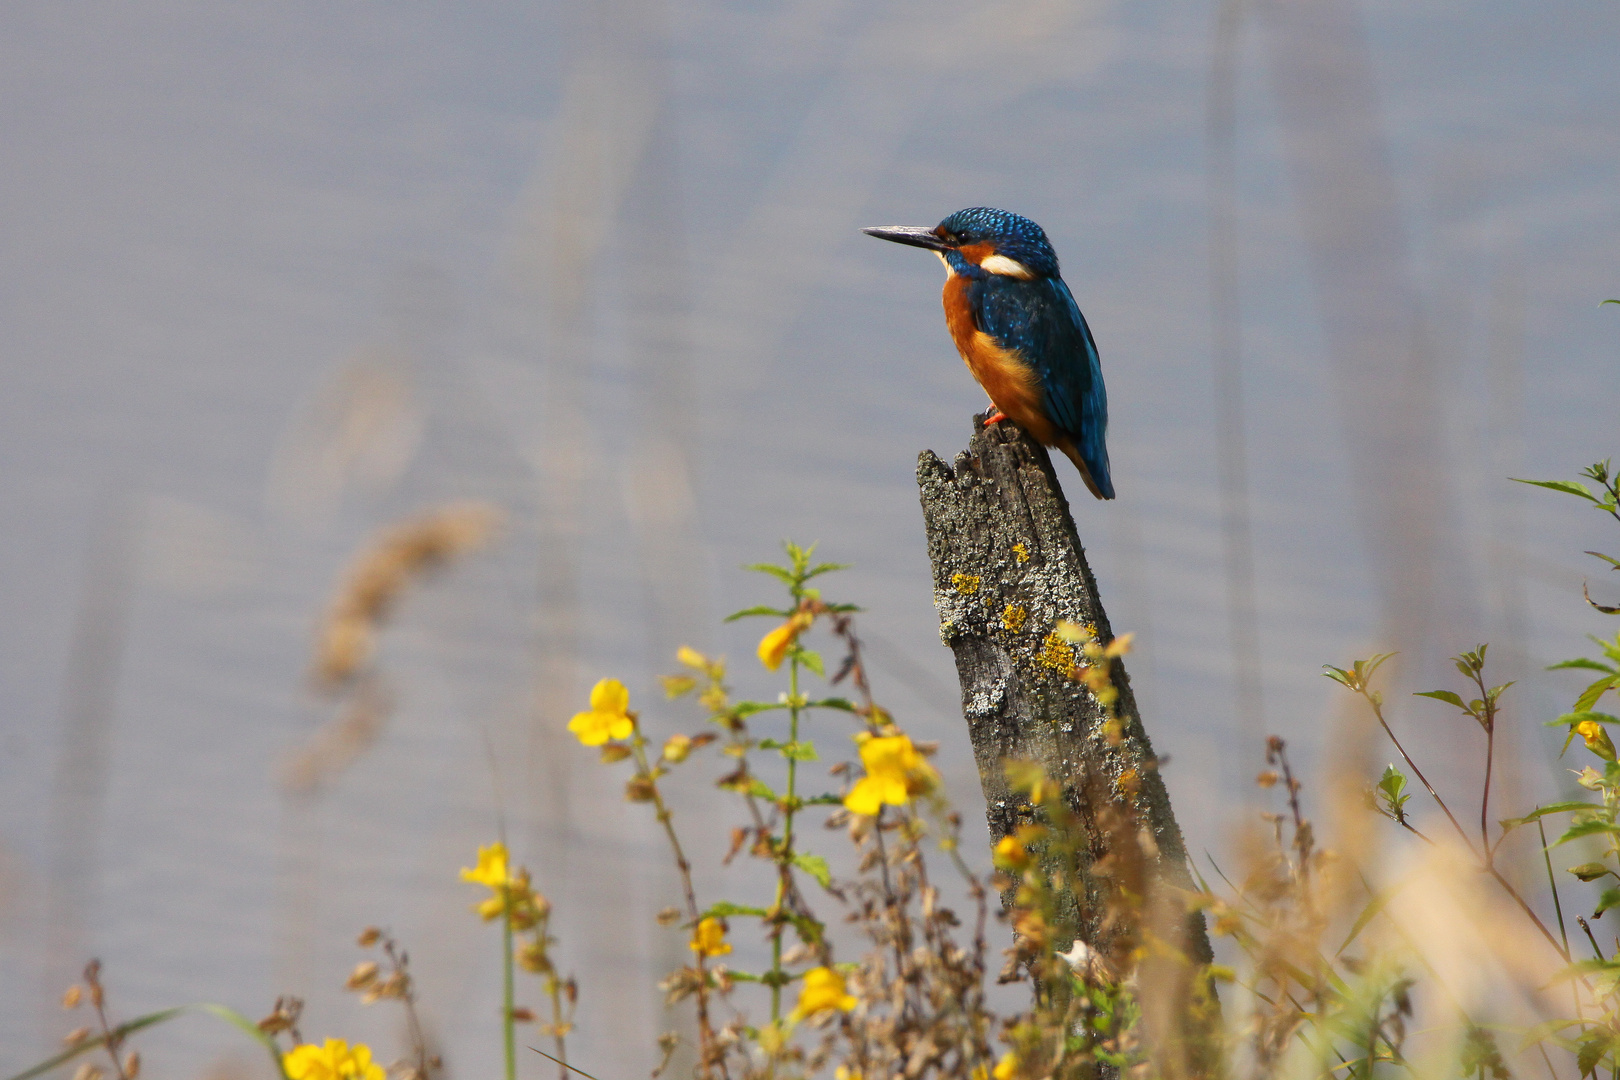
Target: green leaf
<point x="723" y="909"/>
<point x="1592" y="1049"/>
<point x="824" y="568"/>
<point x="824" y="800"/>
<point x="843" y="704"/>
<point x="1586" y="828"/>
<point x="793" y="751"/>
<point x="1590" y="871"/>
<point x="1542" y="811"/>
<point x="1582" y="662"/>
<point x="803" y="750"/>
<point x="1545" y="1029"/>
<point x="781" y="574"/>
<point x="1379" y="902"/>
<point x="1569" y="487"/>
<point x="841" y="609"/>
<point x="812" y="660"/>
<point x="815" y="866"/>
<point x="1610" y="559"/>
<point x="1609" y="899"/>
<point x="744" y="709"/>
<point x="761" y="790"/>
<point x="230" y="1016"/>
<point x="1570" y="719"/>
<point x="1590" y="695"/>
<point x="1443" y="695"/>
<point x="761" y="609"/>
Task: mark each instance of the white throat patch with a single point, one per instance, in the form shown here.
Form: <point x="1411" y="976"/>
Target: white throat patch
<point x="1000" y="264"/>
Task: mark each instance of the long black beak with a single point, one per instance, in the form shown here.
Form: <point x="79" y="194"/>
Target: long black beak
<point x="916" y="235"/>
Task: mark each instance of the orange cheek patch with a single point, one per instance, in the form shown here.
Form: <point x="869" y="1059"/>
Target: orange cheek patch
<point x="976" y="253"/>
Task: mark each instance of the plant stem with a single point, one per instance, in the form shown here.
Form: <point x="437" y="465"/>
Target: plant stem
<point x="1378" y="711"/>
<point x="785" y="854"/>
<point x="1485" y="863"/>
<point x="1489" y="723"/>
<point x="508" y="1023"/>
<point x="1485" y="800"/>
<point x="706" y="1055"/>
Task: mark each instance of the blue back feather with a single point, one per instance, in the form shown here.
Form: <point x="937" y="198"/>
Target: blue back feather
<point x="1040" y="319"/>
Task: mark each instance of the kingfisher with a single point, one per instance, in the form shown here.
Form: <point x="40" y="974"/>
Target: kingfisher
<point x="1020" y="332"/>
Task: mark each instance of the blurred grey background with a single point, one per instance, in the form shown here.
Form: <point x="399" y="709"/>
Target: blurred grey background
<point x="274" y="276"/>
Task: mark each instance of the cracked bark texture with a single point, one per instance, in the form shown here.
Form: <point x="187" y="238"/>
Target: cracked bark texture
<point x="1008" y="566"/>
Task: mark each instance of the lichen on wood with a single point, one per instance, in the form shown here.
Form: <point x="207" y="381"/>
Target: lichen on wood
<point x="1008" y="568"/>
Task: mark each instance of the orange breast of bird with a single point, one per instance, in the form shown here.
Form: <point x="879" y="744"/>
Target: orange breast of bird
<point x="1011" y="383"/>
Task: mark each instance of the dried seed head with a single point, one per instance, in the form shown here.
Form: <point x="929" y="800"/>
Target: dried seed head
<point x="76" y="1036"/>
<point x="522" y="1015"/>
<point x="363" y="975"/>
<point x="798" y="954"/>
<point x="669" y="916"/>
<point x="88" y="1071"/>
<point x="74" y="995"/>
<point x="368" y="937"/>
<point x="132" y="1065"/>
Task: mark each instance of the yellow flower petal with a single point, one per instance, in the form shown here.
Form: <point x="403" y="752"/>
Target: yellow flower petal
<point x="773" y="646"/>
<point x="1007" y="1067"/>
<point x="491" y="869"/>
<point x="608" y="717"/>
<point x="823" y="990"/>
<point x="710" y="938"/>
<point x="610" y="696"/>
<point x="1597" y="740"/>
<point x="894" y="773"/>
<point x="334" y="1060"/>
<point x="691" y="657"/>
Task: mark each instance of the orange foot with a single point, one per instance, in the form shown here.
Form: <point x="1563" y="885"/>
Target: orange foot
<point x="995" y="418"/>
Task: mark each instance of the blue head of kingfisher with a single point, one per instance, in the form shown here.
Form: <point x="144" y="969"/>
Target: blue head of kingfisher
<point x="1022" y="335"/>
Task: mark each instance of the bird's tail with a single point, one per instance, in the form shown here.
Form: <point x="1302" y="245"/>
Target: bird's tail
<point x="1103" y="489"/>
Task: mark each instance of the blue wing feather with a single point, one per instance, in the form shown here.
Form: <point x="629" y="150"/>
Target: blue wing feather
<point x="1040" y="319"/>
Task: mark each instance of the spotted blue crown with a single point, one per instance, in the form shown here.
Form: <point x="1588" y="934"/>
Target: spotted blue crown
<point x="1012" y="235"/>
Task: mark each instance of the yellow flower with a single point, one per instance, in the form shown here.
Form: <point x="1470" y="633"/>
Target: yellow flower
<point x="676" y="748"/>
<point x="774" y="646"/>
<point x="823" y="990"/>
<point x="1597" y="740"/>
<point x="609" y="715"/>
<point x="691" y="657"/>
<point x="491" y="869"/>
<point x="1010" y="852"/>
<point x="844" y="1072"/>
<point x="979" y="1071"/>
<point x="1007" y="1067"/>
<point x="895" y="771"/>
<point x="337" y="1060"/>
<point x="710" y="938"/>
<point x="510" y="892"/>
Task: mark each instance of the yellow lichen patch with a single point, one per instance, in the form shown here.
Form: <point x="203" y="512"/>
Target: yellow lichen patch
<point x="1129" y="782"/>
<point x="966" y="584"/>
<point x="1013" y="618"/>
<point x="1020" y="552"/>
<point x="1056" y="653"/>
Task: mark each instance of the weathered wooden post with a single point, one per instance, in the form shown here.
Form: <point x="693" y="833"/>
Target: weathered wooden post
<point x="1008" y="566"/>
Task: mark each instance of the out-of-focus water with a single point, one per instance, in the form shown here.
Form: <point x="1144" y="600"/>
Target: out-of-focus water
<point x="274" y="276"/>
